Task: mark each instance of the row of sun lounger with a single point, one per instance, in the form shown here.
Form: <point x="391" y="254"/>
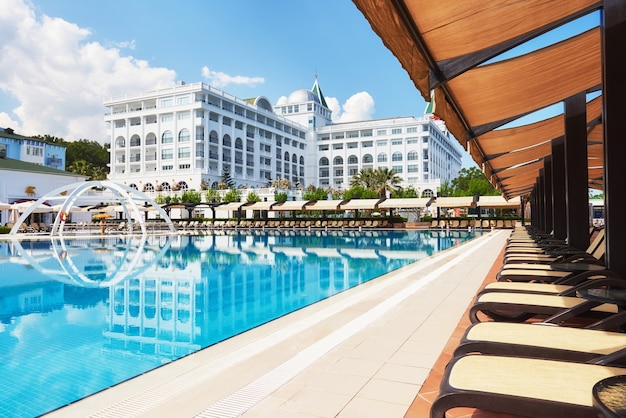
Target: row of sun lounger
<point x="283" y="223"/>
<point x="472" y="223"/>
<point x="536" y="347"/>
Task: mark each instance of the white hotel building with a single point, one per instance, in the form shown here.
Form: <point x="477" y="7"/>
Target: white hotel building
<point x="181" y="137"/>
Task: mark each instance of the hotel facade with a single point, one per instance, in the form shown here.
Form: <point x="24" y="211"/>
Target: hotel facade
<point x="185" y="138"/>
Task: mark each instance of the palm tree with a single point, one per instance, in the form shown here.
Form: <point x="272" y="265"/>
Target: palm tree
<point x="365" y="178"/>
<point x="386" y="179"/>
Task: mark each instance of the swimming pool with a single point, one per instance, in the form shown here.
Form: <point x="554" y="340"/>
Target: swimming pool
<point x="81" y="315"/>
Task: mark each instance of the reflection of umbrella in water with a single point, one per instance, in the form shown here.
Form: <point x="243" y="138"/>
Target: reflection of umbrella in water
<point x="103" y="217"/>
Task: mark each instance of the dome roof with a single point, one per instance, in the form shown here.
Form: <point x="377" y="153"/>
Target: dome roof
<point x="301" y="96"/>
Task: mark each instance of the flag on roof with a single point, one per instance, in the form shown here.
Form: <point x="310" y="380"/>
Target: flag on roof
<point x="430" y="108"/>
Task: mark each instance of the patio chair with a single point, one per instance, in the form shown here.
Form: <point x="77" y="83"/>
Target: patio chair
<point x="540" y="341"/>
<point x="523" y="386"/>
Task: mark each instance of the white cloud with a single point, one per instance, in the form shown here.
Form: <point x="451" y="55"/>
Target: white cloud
<point x="59" y="78"/>
<point x="220" y="80"/>
<point x="358" y="107"/>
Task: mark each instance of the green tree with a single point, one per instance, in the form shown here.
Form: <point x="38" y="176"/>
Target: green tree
<point x="81" y="167"/>
<point x="470" y="181"/>
<point x="233" y="195"/>
<point x="228" y="181"/>
<point x="191" y="196"/>
<point x="314" y="193"/>
<point x="380" y="180"/>
<point x="253" y="197"/>
<point x="280" y="197"/>
<point x="213" y="196"/>
<point x="358" y="191"/>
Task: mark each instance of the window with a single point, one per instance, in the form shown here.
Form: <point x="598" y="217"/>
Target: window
<point x="381" y="132"/>
<point x="397" y="168"/>
<point x="397" y="156"/>
<point x="381" y="143"/>
<point x="412" y="168"/>
<point x="184" y="166"/>
<point x="183" y="135"/>
<point x="167" y="118"/>
<point x="337" y="146"/>
<point x="352" y="145"/>
<point x="412" y="156"/>
<point x="182" y="100"/>
<point x="411" y="130"/>
<point x="339" y="172"/>
<point x="353" y="159"/>
<point x="323" y="147"/>
<point x="167" y="168"/>
<point x="382" y="157"/>
<point x="396" y="142"/>
<point x="184" y="116"/>
<point x="396" y="131"/>
<point x="323" y="172"/>
<point x="167" y="154"/>
<point x="368" y="159"/>
<point x="184" y="152"/>
<point x="167" y="102"/>
<point x="167" y="137"/>
<point x="323" y="162"/>
<point x="338" y="161"/>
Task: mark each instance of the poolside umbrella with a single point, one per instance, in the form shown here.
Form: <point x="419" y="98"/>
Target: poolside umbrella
<point x="102" y="216"/>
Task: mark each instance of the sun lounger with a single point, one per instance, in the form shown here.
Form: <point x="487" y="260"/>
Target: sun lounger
<point x="520" y="306"/>
<point x="539" y="341"/>
<point x="522" y="386"/>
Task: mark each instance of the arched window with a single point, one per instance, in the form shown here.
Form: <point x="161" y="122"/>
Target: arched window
<point x="213" y="137"/>
<point x="382" y="157"/>
<point x="148" y="187"/>
<point x="135" y="141"/>
<point x="151" y="139"/>
<point x="368" y="159"/>
<point x="428" y="193"/>
<point x="396" y="156"/>
<point x="294" y="158"/>
<point x="120" y="142"/>
<point x="353" y="159"/>
<point x="133" y="186"/>
<point x="183" y="135"/>
<point x="301" y="160"/>
<point x="286" y="156"/>
<point x="338" y="160"/>
<point x="181" y="185"/>
<point x="226" y="141"/>
<point x="166" y="187"/>
<point x="323" y="162"/>
<point x="238" y="143"/>
<point x="412" y="156"/>
<point x="167" y="137"/>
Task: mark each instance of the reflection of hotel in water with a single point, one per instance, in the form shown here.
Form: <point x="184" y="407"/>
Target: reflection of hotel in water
<point x="202" y="290"/>
<point x="170" y="296"/>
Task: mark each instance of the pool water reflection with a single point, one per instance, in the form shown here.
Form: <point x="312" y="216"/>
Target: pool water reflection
<point x="78" y="315"/>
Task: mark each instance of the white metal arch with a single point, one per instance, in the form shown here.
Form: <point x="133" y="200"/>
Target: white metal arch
<point x="126" y="196"/>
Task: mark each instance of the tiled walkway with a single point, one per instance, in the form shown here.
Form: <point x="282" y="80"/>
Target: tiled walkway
<point x="362" y="353"/>
<point x="430" y="389"/>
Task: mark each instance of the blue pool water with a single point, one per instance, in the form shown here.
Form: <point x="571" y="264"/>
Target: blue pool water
<point x="78" y="315"/>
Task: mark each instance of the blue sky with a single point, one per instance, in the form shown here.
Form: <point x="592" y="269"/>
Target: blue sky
<point x="76" y="53"/>
<point x="61" y="58"/>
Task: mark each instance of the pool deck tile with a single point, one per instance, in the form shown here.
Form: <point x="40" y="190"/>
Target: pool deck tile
<point x="385" y="368"/>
